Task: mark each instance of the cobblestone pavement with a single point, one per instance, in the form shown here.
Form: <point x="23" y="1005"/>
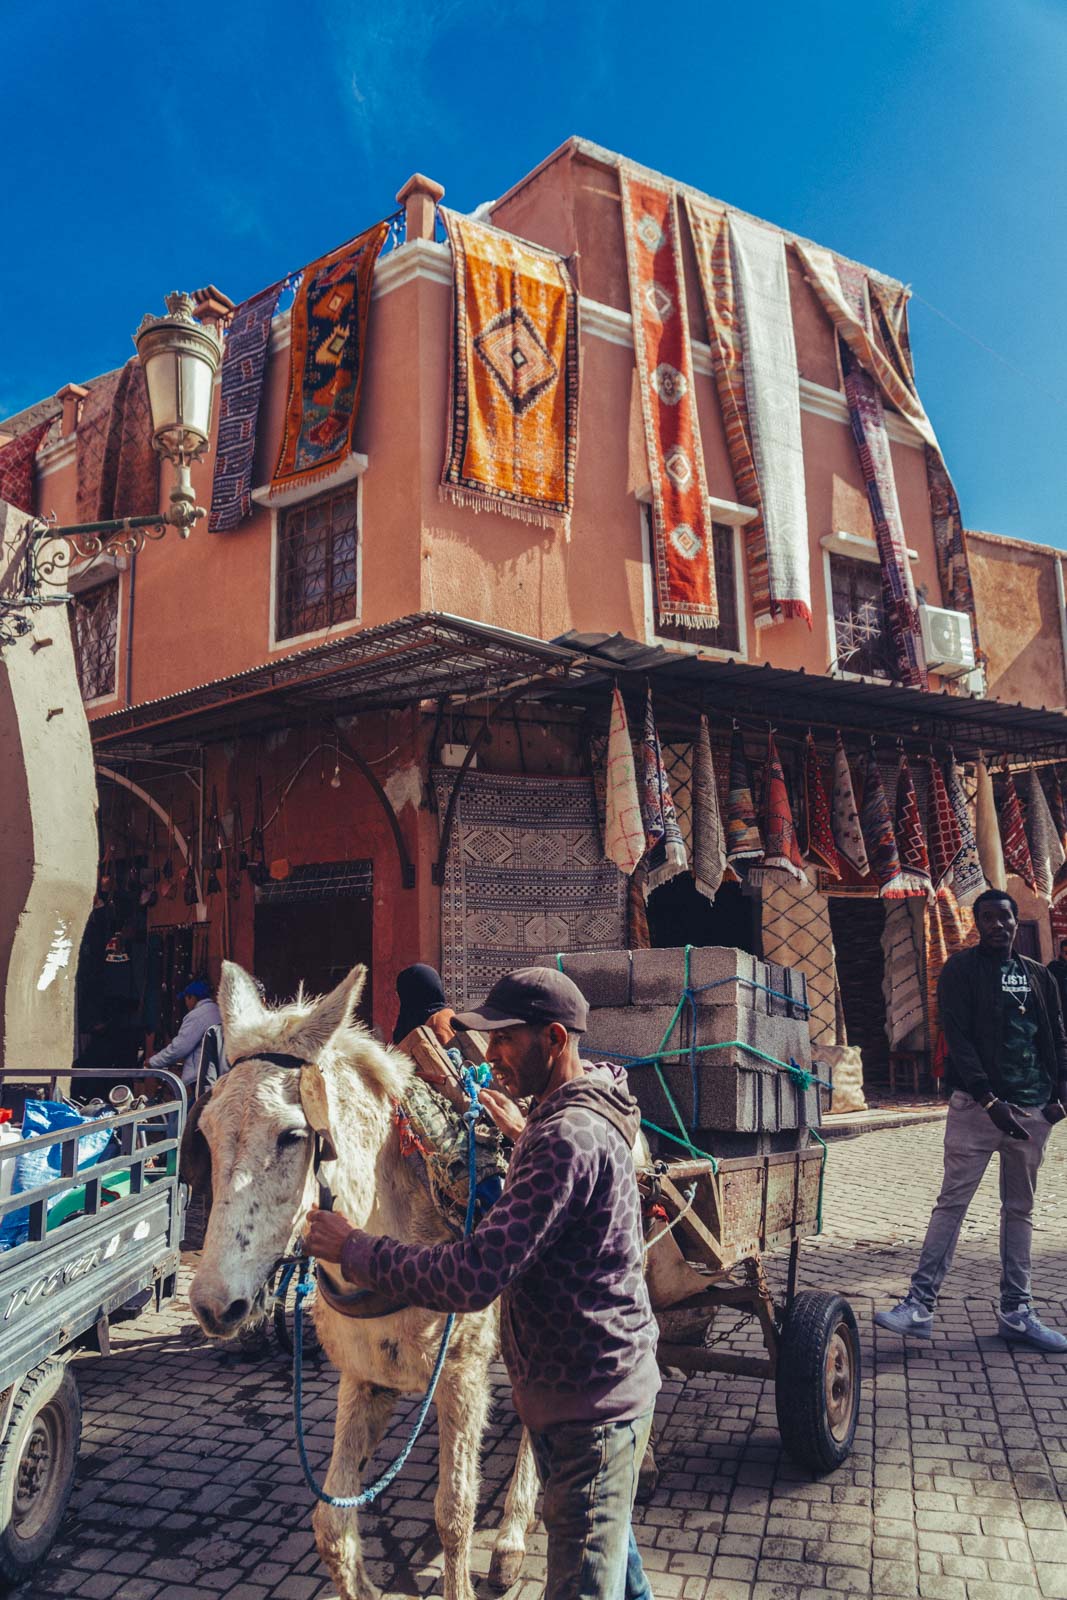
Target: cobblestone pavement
<point x="189" y="1487"/>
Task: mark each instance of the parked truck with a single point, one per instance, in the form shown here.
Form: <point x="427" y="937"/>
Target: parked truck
<point x="96" y="1240"/>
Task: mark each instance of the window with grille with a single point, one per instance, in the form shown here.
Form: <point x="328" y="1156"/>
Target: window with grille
<point x="727" y="636"/>
<point x="861" y="641"/>
<point x="94" y="626"/>
<point x="318" y="548"/>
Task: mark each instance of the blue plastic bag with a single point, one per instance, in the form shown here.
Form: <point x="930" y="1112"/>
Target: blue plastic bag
<point x="43" y="1166"/>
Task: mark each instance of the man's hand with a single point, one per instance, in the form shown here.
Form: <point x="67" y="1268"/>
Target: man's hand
<point x="1056" y="1110"/>
<point x="325" y="1235"/>
<point x="1001" y="1117"/>
<point x="504" y="1112"/>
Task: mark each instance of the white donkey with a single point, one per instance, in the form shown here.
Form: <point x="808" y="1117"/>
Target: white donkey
<point x="259" y="1125"/>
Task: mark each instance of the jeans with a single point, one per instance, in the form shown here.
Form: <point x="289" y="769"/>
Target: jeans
<point x="589" y="1472"/>
<point x="971" y="1141"/>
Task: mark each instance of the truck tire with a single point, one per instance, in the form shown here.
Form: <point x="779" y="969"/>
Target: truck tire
<point x="817" y="1381"/>
<point x="37" y="1467"/>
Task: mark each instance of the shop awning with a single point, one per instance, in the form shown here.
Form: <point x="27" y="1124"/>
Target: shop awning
<point x="417" y="658"/>
<point x="765" y="693"/>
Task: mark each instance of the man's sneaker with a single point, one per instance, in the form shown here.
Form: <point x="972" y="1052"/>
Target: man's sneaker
<point x="910" y="1318"/>
<point x="1023" y="1325"/>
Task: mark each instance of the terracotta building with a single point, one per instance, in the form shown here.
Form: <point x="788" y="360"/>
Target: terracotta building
<point x="279" y="711"/>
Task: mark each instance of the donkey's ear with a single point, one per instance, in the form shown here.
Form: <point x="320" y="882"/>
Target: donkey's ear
<point x="239" y="999"/>
<point x="327" y="1016"/>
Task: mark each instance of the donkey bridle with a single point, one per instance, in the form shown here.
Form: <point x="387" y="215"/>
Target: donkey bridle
<point x="362" y="1304"/>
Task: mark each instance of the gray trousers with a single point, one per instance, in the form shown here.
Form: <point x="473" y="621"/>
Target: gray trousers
<point x="971" y="1140"/>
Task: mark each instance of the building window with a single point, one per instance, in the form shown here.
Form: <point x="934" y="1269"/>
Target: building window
<point x="94" y="626"/>
<point x="860" y="637"/>
<point x="727" y="636"/>
<point x="318" y="563"/>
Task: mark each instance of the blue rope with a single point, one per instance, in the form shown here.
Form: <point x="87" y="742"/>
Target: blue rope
<point x="304" y="1287"/>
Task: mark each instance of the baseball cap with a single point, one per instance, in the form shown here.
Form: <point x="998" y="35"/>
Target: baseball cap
<point x="199" y="989"/>
<point x="534" y="995"/>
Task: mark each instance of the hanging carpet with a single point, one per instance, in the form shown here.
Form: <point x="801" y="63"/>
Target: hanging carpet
<point x="624" y="832"/>
<point x="17" y="466"/>
<point x="525" y="877"/>
<point x="682" y="556"/>
<point x="902" y="983"/>
<point x="911" y="841"/>
<point x="987" y="830"/>
<point x="895" y="376"/>
<point x="879" y="835"/>
<point x="965" y="878"/>
<point x="819" y="834"/>
<point x="328" y="325"/>
<point x="243" y="366"/>
<point x="796" y="933"/>
<point x="513" y="396"/>
<point x="847" y="827"/>
<point x="709" y="838"/>
<point x="743" y="841"/>
<point x="781" y="849"/>
<point x="117" y="469"/>
<point x="943" y="837"/>
<point x="1046" y="849"/>
<point x="1017" y="856"/>
<point x="666" y="852"/>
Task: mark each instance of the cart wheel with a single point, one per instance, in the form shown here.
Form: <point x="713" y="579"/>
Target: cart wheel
<point x="37" y="1468"/>
<point x="817" y="1384"/>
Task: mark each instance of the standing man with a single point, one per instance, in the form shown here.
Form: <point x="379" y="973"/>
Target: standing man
<point x="1007" y="1066"/>
<point x="564" y="1249"/>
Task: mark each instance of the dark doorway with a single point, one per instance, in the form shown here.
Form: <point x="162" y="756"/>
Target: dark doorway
<point x="678" y="915"/>
<point x="856" y="923"/>
<point x="314" y="942"/>
<point x="1028" y="941"/>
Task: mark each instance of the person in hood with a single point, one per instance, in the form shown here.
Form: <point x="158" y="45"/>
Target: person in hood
<point x="563" y="1249"/>
<point x="422" y="1004"/>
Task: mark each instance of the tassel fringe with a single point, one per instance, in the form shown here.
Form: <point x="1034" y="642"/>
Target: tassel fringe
<point x="478" y="500"/>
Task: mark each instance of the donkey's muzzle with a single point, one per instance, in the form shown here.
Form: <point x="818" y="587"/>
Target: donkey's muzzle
<point x="224" y="1323"/>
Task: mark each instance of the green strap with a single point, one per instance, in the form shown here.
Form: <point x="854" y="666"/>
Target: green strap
<point x="686" y="1144"/>
<point x="559" y="960"/>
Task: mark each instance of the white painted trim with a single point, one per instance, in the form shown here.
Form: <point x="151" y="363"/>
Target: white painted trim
<point x="354" y="466"/>
<point x="727" y="511"/>
<point x="335" y="630"/>
<point x="856" y="547"/>
<point x="168" y="822"/>
<point x="711" y="652"/>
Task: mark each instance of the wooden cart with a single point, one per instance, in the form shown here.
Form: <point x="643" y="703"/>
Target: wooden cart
<point x="723" y="1216"/>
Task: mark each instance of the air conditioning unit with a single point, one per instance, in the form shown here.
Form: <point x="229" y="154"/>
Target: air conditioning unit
<point x="948" y="641"/>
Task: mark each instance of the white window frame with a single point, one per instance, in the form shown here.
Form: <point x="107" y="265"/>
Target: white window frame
<point x="105" y="569"/>
<point x="726" y="512"/>
<point x="857" y="548"/>
<point x="352" y="472"/>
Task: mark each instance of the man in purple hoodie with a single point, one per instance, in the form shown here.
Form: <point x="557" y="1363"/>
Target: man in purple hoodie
<point x="563" y="1248"/>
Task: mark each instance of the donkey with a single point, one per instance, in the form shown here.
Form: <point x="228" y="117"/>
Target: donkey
<point x="262" y="1125"/>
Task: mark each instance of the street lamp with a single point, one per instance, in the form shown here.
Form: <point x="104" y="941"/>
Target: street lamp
<point x="180" y="358"/>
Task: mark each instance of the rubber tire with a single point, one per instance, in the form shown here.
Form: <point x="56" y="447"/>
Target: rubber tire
<point x="800" y="1386"/>
<point x="48" y="1388"/>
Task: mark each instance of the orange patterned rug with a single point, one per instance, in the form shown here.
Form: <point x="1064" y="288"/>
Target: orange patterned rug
<point x="329" y="327"/>
<point x="513" y="412"/>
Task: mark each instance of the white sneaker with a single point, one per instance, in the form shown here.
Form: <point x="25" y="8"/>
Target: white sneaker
<point x="910" y="1318"/>
<point x="1025" y="1326"/>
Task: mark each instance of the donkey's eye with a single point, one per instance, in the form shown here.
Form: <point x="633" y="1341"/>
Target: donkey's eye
<point x="291" y="1137"/>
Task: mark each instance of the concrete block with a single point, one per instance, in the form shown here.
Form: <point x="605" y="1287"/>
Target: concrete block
<point x="718" y="964"/>
<point x="658" y="977"/>
<point x="627" y="1030"/>
<point x="603" y="976"/>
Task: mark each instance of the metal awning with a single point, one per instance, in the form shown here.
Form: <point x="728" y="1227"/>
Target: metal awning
<point x="765" y="693"/>
<point x="416" y="658"/>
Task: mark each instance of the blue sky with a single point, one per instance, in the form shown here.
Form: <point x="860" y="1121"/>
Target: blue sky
<point x="925" y="137"/>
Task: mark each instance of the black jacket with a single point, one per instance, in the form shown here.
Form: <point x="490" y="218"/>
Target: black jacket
<point x="1058" y="970"/>
<point x="971" y="1005"/>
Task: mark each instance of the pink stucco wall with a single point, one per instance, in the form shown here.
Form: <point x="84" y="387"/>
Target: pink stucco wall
<point x="203" y="608"/>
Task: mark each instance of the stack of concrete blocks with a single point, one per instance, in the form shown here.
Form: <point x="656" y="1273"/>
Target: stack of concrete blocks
<point x="744" y="1105"/>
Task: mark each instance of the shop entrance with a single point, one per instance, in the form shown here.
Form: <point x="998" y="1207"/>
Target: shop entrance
<point x="857" y="922"/>
<point x="678" y="915"/>
<point x="312" y="928"/>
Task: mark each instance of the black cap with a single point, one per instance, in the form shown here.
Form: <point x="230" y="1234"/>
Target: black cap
<point x="533" y="995"/>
